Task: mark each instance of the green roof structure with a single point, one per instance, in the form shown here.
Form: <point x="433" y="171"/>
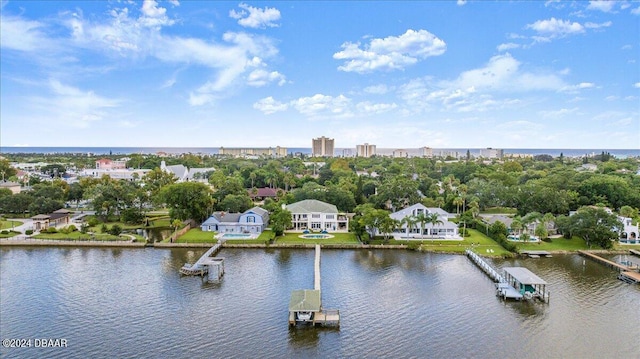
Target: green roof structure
<point x="305" y="300"/>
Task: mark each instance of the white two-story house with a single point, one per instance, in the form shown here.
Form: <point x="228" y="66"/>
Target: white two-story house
<point x="443" y="229"/>
<point x="314" y="215"/>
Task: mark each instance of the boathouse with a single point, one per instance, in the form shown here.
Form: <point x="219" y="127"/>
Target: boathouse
<point x="304" y="304"/>
<point x="526" y="283"/>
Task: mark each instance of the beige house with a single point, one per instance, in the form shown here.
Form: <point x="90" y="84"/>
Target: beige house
<point x="13" y="186"/>
<point x="57" y="218"/>
<point x="316" y="216"/>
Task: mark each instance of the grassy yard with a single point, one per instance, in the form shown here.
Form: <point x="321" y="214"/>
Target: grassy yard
<point x="338" y="238"/>
<point x="556" y="244"/>
<point x="82" y="236"/>
<point x="9" y="234"/>
<point x="482" y="244"/>
<point x="197" y="235"/>
<point x="9" y="224"/>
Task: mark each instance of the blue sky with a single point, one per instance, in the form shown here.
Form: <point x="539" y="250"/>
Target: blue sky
<point x="465" y="74"/>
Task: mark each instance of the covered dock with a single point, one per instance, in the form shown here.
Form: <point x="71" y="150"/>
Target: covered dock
<point x="527" y="283"/>
<point x="305" y="305"/>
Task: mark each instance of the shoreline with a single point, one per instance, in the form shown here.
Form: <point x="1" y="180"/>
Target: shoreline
<point x="123" y="244"/>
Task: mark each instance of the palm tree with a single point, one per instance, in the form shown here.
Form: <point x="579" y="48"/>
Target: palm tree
<point x="433" y="219"/>
<point x="422" y="219"/>
<point x="516" y="225"/>
<point x="458" y="201"/>
<point x="410" y="221"/>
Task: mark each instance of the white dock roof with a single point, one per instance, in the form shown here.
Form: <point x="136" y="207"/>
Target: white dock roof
<point x="524" y="276"/>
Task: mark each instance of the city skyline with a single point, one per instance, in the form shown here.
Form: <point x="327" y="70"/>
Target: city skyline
<point x="462" y="74"/>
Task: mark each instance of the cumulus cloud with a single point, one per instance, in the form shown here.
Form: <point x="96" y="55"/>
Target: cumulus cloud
<point x="461" y="2"/>
<point x="260" y="77"/>
<point x="254" y="17"/>
<point x="390" y="53"/>
<point x="508" y="46"/>
<point x="592" y="25"/>
<point x="601" y="5"/>
<point x="578" y="87"/>
<point x="476" y="89"/>
<point x="377" y="89"/>
<point x="367" y="107"/>
<point x="269" y="105"/>
<point x="637" y="85"/>
<point x="322" y="105"/>
<point x="556" y="28"/>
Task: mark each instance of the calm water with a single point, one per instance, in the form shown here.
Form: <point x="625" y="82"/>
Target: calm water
<point x="133" y="303"/>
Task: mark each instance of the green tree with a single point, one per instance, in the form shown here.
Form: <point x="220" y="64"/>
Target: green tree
<point x="596" y="226"/>
<point x="236" y="203"/>
<point x="280" y="219"/>
<point x="188" y="200"/>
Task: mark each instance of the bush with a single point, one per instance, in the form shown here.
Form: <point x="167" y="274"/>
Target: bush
<point x="104" y="228"/>
<point x="4" y="232"/>
<point x="115" y="230"/>
<point x="93" y="221"/>
<point x="84" y="228"/>
<point x="52" y="230"/>
<point x="72" y="228"/>
<point x="413" y="246"/>
<point x="28" y="232"/>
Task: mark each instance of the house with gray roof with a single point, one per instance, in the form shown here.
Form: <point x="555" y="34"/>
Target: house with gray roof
<point x="314" y="215"/>
<point x="253" y="221"/>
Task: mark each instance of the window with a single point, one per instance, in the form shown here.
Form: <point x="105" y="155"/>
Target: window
<point x="330" y="216"/>
<point x="251" y="219"/>
<point x="315" y="216"/>
<point x="316" y="225"/>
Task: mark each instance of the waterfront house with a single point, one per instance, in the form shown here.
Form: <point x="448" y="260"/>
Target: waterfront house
<point x="254" y="221"/>
<point x="55" y="219"/>
<point x="315" y="215"/>
<point x="444" y="229"/>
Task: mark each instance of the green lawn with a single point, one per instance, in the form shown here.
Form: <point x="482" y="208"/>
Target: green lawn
<point x="556" y="244"/>
<point x="10" y="234"/>
<point x="197" y="235"/>
<point x="9" y="224"/>
<point x="81" y="236"/>
<point x="477" y="241"/>
<point x="338" y="238"/>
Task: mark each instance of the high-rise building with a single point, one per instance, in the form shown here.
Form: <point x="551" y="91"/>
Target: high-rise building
<point x="365" y="150"/>
<point x="426" y="152"/>
<point x="322" y="147"/>
<point x="492" y="153"/>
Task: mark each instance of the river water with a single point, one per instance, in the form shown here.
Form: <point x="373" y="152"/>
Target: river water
<point x="132" y="303"/>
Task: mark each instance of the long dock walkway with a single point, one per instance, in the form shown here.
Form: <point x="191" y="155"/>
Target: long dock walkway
<point x="627" y="274"/>
<point x="306" y="304"/>
<point x="503" y="289"/>
<point x="199" y="267"/>
<point x="633" y="251"/>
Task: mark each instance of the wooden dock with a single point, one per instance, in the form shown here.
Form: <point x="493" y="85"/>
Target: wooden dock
<point x="305" y="305"/>
<point x="536" y="254"/>
<point x="633" y="251"/>
<point x="627" y="274"/>
<point x="207" y="263"/>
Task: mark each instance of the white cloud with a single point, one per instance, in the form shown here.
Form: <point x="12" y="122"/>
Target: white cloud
<point x="269" y="105"/>
<point x="367" y="107"/>
<point x="637" y="85"/>
<point x="508" y="46"/>
<point x="377" y="89"/>
<point x="626" y="47"/>
<point x="69" y="105"/>
<point x="556" y="28"/>
<point x="260" y="77"/>
<point x="461" y="2"/>
<point x="256" y="17"/>
<point x="601" y="5"/>
<point x="153" y="15"/>
<point x="323" y="105"/>
<point x="23" y="35"/>
<point x="575" y="88"/>
<point x="558" y="113"/>
<point x="390" y="53"/>
<point x="591" y="25"/>
<point x="636" y="11"/>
